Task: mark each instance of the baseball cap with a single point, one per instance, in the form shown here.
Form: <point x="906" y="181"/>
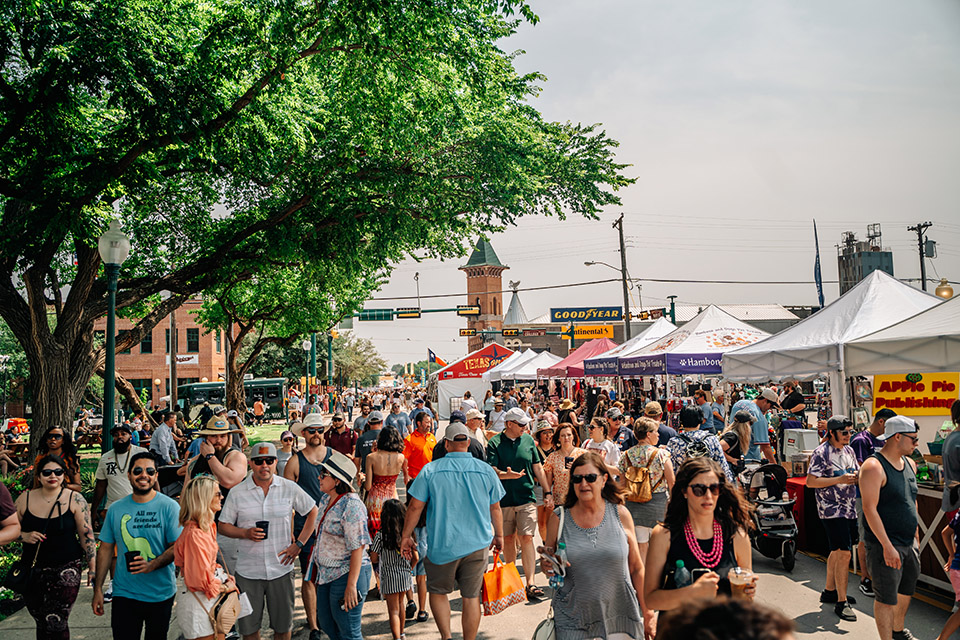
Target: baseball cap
<point x="458" y="416"/>
<point x="652" y="408"/>
<point x="897" y="424"/>
<point x="125" y="426"/>
<point x="516" y="415"/>
<point x="884" y="414"/>
<point x="456" y="431"/>
<point x="233" y="413"/>
<point x="263" y="450"/>
<point x="614" y="412"/>
<point x="375" y="416"/>
<point x="337" y="416"/>
<point x="770" y="396"/>
<point x="418" y="401"/>
<point x="835" y="423"/>
<point x="474" y="413"/>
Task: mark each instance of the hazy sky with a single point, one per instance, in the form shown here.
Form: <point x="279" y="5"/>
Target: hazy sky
<point x="742" y="121"/>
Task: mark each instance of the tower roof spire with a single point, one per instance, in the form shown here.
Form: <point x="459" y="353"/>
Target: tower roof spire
<point x="484" y="255"/>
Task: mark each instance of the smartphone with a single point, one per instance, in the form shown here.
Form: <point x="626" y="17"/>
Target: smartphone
<point x="696" y="573"/>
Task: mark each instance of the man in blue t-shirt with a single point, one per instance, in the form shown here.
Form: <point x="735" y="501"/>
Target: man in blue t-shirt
<point x="759" y="436"/>
<point x="142" y="528"/>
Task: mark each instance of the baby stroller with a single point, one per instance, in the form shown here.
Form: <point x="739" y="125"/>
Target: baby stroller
<point x="775" y="533"/>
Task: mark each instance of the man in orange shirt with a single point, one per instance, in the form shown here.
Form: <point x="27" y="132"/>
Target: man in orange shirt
<point x="418" y="446"/>
<point x="259" y="410"/>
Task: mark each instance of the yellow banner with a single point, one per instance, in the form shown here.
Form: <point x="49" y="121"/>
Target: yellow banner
<point x="592" y="331"/>
<point x="916" y="394"/>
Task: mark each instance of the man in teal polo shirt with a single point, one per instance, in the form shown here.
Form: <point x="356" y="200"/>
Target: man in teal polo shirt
<point x="513" y="454"/>
<point x="462" y="497"/>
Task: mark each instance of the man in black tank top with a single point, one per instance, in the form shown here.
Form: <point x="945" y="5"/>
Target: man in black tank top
<point x="888" y="486"/>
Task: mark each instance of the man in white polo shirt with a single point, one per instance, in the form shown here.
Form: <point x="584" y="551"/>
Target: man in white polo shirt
<point x="259" y="512"/>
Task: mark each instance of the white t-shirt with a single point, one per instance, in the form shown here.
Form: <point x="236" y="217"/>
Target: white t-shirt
<point x="497" y="423"/>
<point x="468" y="403"/>
<point x="115" y="473"/>
<point x="607" y="449"/>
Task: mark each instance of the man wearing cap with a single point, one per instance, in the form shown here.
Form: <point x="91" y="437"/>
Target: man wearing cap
<point x="111" y="475"/>
<point x="238" y="437"/>
<point x="305" y="468"/>
<point x="398" y="419"/>
<point x="833" y="476"/>
<point x="888" y="484"/>
<point x="227" y="464"/>
<point x="617" y="431"/>
<point x="364" y="445"/>
<point x="163" y="443"/>
<point x="654" y="411"/>
<point x="420" y="408"/>
<point x="462" y="498"/>
<point x="265" y="566"/>
<point x="759" y="434"/>
<point x="515" y="457"/>
<point x="475" y="420"/>
<point x="475" y="449"/>
<point x="864" y="445"/>
<point x="495" y="423"/>
<point x="340" y="437"/>
<point x="418" y="446"/>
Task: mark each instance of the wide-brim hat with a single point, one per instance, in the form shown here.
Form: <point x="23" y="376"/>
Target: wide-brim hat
<point x="217" y="426"/>
<point x="340" y="467"/>
<point x="566" y="404"/>
<point x="310" y="420"/>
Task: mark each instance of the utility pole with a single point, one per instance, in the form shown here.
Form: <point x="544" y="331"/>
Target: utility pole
<point x="920" y="228"/>
<point x="618" y="225"/>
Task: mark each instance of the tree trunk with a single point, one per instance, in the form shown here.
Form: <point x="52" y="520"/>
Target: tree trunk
<point x="234" y="396"/>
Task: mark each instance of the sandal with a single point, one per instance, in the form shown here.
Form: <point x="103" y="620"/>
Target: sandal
<point x="411" y="610"/>
<point x="422" y="616"/>
<point x="534" y="592"/>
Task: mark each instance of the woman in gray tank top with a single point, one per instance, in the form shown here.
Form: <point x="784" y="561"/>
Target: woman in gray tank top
<point x="601" y="596"/>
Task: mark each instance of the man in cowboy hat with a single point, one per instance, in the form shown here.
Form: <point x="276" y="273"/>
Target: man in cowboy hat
<point x="495" y="423"/>
<point x="227" y="464"/>
<point x="304" y="468"/>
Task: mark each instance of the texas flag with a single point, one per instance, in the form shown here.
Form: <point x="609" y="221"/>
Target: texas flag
<point x="432" y="357"/>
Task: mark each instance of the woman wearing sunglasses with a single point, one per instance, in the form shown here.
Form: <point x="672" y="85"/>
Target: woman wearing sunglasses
<point x="602" y="592"/>
<point x="57" y="442"/>
<point x="706" y="527"/>
<point x="288" y="447"/>
<point x="56" y="530"/>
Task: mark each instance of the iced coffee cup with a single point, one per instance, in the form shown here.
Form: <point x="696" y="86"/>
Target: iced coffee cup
<point x="740" y="579"/>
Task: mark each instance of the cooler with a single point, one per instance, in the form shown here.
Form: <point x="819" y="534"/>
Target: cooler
<point x="796" y="441"/>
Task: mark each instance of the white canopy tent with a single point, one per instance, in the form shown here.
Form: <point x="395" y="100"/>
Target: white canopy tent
<point x="466" y="374"/>
<point x="517" y="358"/>
<point x="928" y="341"/>
<point x="814" y="346"/>
<point x="528" y="370"/>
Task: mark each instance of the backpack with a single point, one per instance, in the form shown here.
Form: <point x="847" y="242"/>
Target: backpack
<point x="638" y="487"/>
<point x="695" y="448"/>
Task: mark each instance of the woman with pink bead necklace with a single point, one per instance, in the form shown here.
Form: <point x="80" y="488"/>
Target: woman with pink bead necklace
<point x="706" y="527"/>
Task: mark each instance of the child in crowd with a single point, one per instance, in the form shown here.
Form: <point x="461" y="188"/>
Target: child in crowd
<point x="395" y="579"/>
<point x="951" y="535"/>
<point x="419" y="571"/>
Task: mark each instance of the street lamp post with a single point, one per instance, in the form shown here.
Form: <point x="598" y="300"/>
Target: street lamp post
<point x="307" y="345"/>
<point x="114" y="248"/>
<point x="626" y="296"/>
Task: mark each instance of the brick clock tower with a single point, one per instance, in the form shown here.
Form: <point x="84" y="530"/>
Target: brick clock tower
<point x="483" y="271"/>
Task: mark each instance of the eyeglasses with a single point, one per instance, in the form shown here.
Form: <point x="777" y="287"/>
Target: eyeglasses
<point x="46" y="473"/>
<point x="54" y="436"/>
<point x="218" y="495"/>
<point x="323" y="474"/>
<point x="914" y="438"/>
<point x="845" y="432"/>
<point x="700" y="489"/>
<point x="150" y="471"/>
<point x="262" y="461"/>
<point x="589" y="477"/>
<point x="312" y="430"/>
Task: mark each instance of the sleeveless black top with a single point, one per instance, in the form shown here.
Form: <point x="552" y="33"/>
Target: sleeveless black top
<point x="62" y="545"/>
<point x="680" y="551"/>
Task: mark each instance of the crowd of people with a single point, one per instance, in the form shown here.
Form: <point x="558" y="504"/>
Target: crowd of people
<point x="644" y="528"/>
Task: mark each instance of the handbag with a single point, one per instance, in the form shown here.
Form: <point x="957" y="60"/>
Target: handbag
<point x="21" y="573"/>
<point x="638" y="482"/>
<point x="547" y="629"/>
<point x="502" y="587"/>
<point x="225" y="610"/>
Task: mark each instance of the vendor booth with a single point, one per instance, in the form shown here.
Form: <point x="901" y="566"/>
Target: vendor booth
<point x="494" y="374"/>
<point x="466" y="374"/>
<point x="572" y="365"/>
<point x="606" y="364"/>
<point x="528" y="370"/>
<point x="814" y="346"/>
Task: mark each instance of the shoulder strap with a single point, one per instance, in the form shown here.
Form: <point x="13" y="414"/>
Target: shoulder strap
<point x="560" y="528"/>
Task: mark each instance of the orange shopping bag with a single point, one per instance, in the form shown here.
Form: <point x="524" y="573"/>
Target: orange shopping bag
<point x="502" y="587"/>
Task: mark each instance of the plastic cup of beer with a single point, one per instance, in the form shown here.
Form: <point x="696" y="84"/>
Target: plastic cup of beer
<point x="740" y="579"/>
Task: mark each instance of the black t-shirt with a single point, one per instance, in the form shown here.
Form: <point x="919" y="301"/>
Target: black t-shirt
<point x="793" y="399"/>
<point x="731" y="439"/>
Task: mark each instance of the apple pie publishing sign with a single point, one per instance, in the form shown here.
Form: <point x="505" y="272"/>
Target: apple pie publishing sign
<point x="586" y="314"/>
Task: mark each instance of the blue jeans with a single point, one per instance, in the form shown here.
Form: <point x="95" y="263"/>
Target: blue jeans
<point x="334" y="621"/>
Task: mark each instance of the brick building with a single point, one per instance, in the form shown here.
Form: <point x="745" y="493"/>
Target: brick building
<point x="484" y="284"/>
<point x="200" y="353"/>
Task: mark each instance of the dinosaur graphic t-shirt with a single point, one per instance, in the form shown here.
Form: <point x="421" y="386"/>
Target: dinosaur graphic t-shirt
<point x="148" y="528"/>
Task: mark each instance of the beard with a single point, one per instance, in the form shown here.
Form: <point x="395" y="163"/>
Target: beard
<point x="142" y="492"/>
<point x="121" y="447"/>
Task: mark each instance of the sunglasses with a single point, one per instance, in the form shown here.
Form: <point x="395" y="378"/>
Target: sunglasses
<point x="51" y="472"/>
<point x="589" y="477"/>
<point x="218" y="495"/>
<point x="262" y="461"/>
<point x="915" y="439"/>
<point x="323" y="474"/>
<point x="700" y="489"/>
<point x="312" y="430"/>
<point x="844" y="432"/>
<point x="54" y="436"/>
<point x="150" y="471"/>
<point x="287" y="440"/>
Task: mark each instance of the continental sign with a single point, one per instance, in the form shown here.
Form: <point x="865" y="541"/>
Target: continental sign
<point x="586" y="314"/>
<point x="916" y="394"/>
<point x="593" y="331"/>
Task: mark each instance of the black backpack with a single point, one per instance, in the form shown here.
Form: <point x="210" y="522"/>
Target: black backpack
<point x="695" y="448"/>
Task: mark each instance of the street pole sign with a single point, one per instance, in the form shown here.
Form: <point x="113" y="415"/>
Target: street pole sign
<point x="408" y="312"/>
<point x="468" y="309"/>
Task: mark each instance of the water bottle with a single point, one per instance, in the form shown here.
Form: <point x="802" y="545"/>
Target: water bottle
<point x="556" y="580"/>
<point x="682" y="577"/>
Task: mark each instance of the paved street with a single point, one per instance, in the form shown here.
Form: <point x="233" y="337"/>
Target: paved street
<point x="795" y="594"/>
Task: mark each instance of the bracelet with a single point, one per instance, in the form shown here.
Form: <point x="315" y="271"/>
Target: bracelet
<point x="298" y="543"/>
<point x="548" y="493"/>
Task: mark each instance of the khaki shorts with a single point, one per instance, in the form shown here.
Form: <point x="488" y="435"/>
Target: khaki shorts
<point x="467" y="572"/>
<point x="521" y="520"/>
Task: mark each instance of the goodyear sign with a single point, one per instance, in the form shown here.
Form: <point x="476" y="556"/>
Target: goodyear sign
<point x="916" y="394"/>
<point x="586" y="314"/>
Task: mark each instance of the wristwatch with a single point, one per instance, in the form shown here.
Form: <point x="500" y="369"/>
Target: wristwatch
<point x="298" y="543"/>
<point x="548" y="493"/>
<point x="208" y="456"/>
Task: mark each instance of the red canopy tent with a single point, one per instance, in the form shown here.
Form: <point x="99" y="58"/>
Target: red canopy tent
<point x="572" y="365"/>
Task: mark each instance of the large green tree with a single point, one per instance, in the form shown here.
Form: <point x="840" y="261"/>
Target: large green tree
<point x="235" y="136"/>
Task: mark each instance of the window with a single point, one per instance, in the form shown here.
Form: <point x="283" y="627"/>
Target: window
<point x="120" y="335"/>
<point x="146" y="345"/>
<point x="193" y="340"/>
<point x="217" y="338"/>
<point x="167" y="337"/>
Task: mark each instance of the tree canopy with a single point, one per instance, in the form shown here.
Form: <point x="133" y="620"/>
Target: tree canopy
<point x="238" y="136"/>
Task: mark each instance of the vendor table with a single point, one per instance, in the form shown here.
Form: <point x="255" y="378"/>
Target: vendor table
<point x="933" y="554"/>
<point x="812" y="536"/>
